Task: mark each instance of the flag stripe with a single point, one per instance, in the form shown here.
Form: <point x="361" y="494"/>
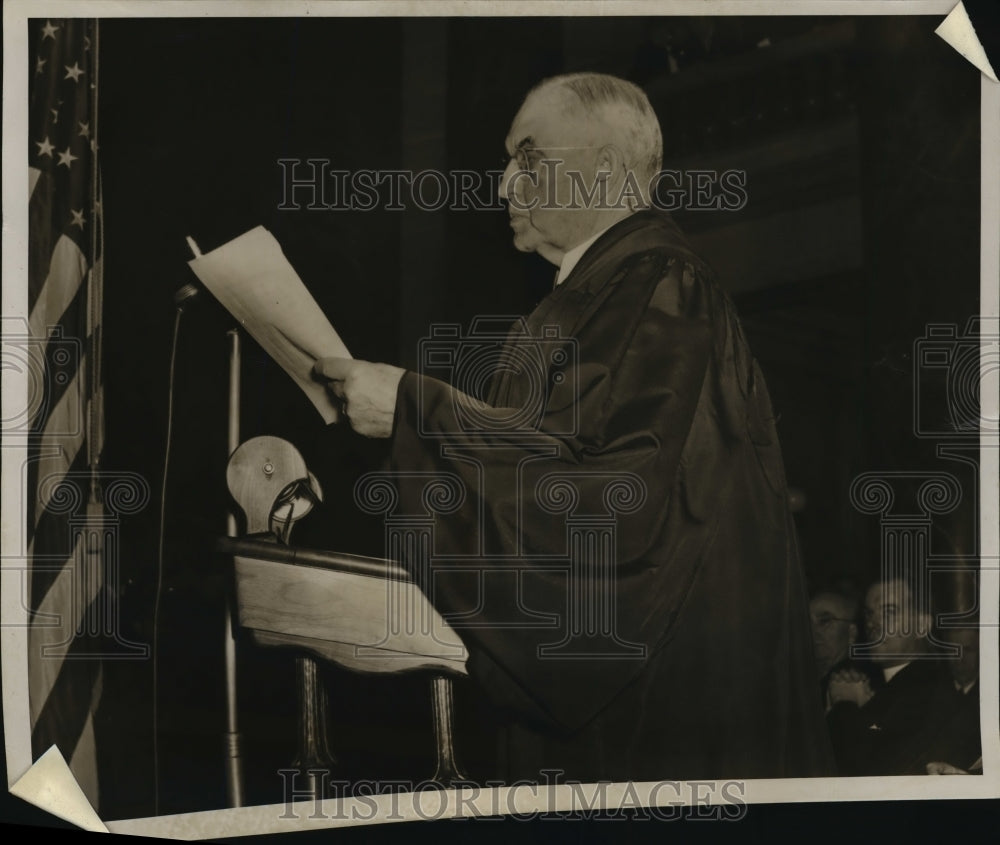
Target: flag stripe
<point x="42" y="236"/>
<point x="52" y="454"/>
<point x="62" y="378"/>
<point x="33" y="174"/>
<point x="53" y="541"/>
<point x="63" y="714"/>
<point x="60" y="414"/>
<point x="60" y="290"/>
<point x="74" y="589"/>
<point x="49" y="246"/>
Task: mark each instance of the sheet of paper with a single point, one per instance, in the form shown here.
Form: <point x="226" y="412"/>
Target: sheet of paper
<point x="252" y="278"/>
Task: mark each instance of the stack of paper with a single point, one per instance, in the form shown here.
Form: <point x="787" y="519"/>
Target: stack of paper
<point x="252" y="278"/>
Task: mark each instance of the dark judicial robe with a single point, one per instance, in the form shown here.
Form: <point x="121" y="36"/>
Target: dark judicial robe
<point x="680" y="647"/>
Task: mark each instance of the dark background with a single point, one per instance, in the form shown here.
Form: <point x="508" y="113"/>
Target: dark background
<point x="860" y="138"/>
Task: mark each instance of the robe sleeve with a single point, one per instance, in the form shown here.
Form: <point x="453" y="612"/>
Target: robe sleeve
<point x="644" y="362"/>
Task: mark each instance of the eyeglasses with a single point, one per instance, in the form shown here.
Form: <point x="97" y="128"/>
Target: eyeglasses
<point x="527" y="158"/>
<point x="827" y="621"/>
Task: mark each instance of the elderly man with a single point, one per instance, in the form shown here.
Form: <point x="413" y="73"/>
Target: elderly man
<point x="672" y="640"/>
<point x="835" y="630"/>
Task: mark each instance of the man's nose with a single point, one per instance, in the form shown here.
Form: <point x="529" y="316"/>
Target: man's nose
<point x="505" y="180"/>
<point x="873" y="625"/>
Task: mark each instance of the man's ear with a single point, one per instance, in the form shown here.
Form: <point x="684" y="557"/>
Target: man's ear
<point x="610" y="160"/>
<point x="852" y="634"/>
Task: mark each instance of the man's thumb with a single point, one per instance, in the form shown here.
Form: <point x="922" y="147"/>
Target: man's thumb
<point x="335" y="369"/>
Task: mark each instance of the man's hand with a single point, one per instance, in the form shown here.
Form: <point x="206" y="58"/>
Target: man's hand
<point x="368" y="392"/>
<point x="850" y="684"/>
<point x="944" y="769"/>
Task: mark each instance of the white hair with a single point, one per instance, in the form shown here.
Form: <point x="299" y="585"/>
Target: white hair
<point x="624" y="108"/>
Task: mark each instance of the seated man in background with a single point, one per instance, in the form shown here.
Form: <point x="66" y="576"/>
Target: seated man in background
<point x="957" y="748"/>
<point x="891" y="729"/>
<point x="834" y="618"/>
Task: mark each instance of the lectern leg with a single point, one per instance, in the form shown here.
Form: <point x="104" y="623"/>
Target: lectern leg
<point x="447" y="772"/>
<point x="314" y="759"/>
<point x="234" y="753"/>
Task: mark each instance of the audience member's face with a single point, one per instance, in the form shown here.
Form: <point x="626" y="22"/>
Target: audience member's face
<point x="896" y="630"/>
<point x="964" y="667"/>
<point x="548" y="214"/>
<point x="833" y="630"/>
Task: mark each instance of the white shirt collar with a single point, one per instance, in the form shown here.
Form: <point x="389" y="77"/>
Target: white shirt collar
<point x="891" y="671"/>
<point x="573" y="256"/>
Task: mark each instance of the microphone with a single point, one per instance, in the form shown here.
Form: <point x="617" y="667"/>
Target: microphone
<point x="185" y="295"/>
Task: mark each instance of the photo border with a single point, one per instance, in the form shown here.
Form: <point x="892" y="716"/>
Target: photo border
<point x="265" y="818"/>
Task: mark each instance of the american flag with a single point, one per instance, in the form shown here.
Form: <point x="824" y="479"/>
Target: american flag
<point x="67" y="593"/>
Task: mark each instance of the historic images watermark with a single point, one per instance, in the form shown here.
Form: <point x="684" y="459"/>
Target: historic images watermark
<point x="47" y="360"/>
<point x="953" y="364"/>
<point x="314" y="184"/>
<point x="952" y="367"/>
<point x="550" y="798"/>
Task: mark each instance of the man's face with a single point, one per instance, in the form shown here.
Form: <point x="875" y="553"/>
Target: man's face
<point x="965" y="666"/>
<point x="893" y="624"/>
<point x="833" y="630"/>
<point x="549" y="212"/>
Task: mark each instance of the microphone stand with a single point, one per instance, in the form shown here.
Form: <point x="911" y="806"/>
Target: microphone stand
<point x="234" y="762"/>
<point x="233" y="740"/>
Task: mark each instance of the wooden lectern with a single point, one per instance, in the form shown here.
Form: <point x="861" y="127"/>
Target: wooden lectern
<point x="364" y="614"/>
